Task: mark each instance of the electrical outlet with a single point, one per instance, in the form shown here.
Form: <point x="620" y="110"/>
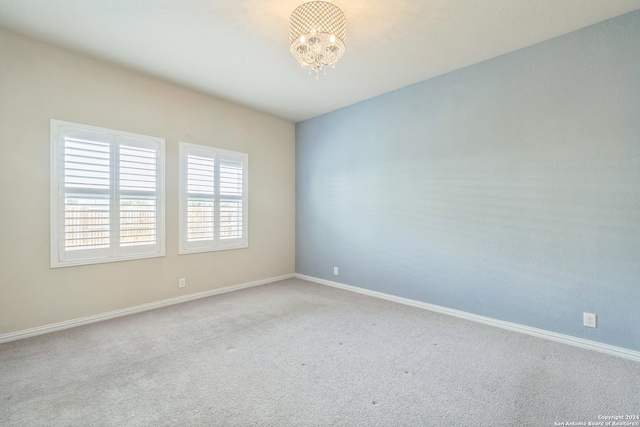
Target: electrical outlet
<point x="335" y="271"/>
<point x="589" y="319"/>
<point x="182" y="282"/>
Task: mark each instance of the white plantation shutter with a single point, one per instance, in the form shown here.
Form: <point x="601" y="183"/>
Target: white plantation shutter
<point x="137" y="186"/>
<point x="106" y="195"/>
<point x="87" y="183"/>
<point x="213" y="199"/>
<point x="231" y="199"/>
<point x="200" y="200"/>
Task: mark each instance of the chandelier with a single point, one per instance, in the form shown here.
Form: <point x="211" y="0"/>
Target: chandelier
<point x="317" y="34"/>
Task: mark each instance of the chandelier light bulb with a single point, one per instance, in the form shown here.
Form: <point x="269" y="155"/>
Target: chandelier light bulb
<point x="317" y="35"/>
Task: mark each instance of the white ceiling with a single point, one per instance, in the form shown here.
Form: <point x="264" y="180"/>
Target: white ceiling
<point x="238" y="49"/>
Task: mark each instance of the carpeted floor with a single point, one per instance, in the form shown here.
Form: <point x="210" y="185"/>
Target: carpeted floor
<point x="294" y="353"/>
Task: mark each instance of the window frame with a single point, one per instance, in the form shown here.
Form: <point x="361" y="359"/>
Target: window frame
<point x="218" y="155"/>
<point x="59" y="257"/>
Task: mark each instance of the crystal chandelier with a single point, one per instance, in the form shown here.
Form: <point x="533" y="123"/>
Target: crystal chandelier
<point x="317" y="34"/>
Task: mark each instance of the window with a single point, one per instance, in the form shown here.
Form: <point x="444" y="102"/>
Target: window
<point x="213" y="199"/>
<point x="107" y="195"/>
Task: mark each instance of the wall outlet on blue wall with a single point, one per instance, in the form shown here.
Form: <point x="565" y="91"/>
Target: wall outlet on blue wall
<point x="589" y="319"/>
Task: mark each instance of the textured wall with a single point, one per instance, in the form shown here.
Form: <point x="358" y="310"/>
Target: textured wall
<point x="509" y="189"/>
<point x="39" y="82"/>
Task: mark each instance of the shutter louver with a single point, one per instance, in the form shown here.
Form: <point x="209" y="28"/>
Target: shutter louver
<point x="137" y="181"/>
<point x="231" y="186"/>
<point x="86" y="194"/>
<point x="200" y="198"/>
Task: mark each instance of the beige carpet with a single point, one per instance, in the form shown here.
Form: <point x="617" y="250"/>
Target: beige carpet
<point x="293" y="353"/>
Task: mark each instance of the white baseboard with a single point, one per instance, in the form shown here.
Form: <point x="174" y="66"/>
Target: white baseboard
<point x="26" y="333"/>
<point x="540" y="333"/>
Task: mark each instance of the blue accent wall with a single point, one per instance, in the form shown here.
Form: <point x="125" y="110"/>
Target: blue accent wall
<point x="508" y="189"/>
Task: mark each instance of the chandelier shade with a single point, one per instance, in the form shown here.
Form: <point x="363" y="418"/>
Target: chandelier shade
<point x="317" y="35"/>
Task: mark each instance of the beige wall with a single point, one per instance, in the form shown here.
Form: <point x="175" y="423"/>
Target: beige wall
<point x="39" y="82"/>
